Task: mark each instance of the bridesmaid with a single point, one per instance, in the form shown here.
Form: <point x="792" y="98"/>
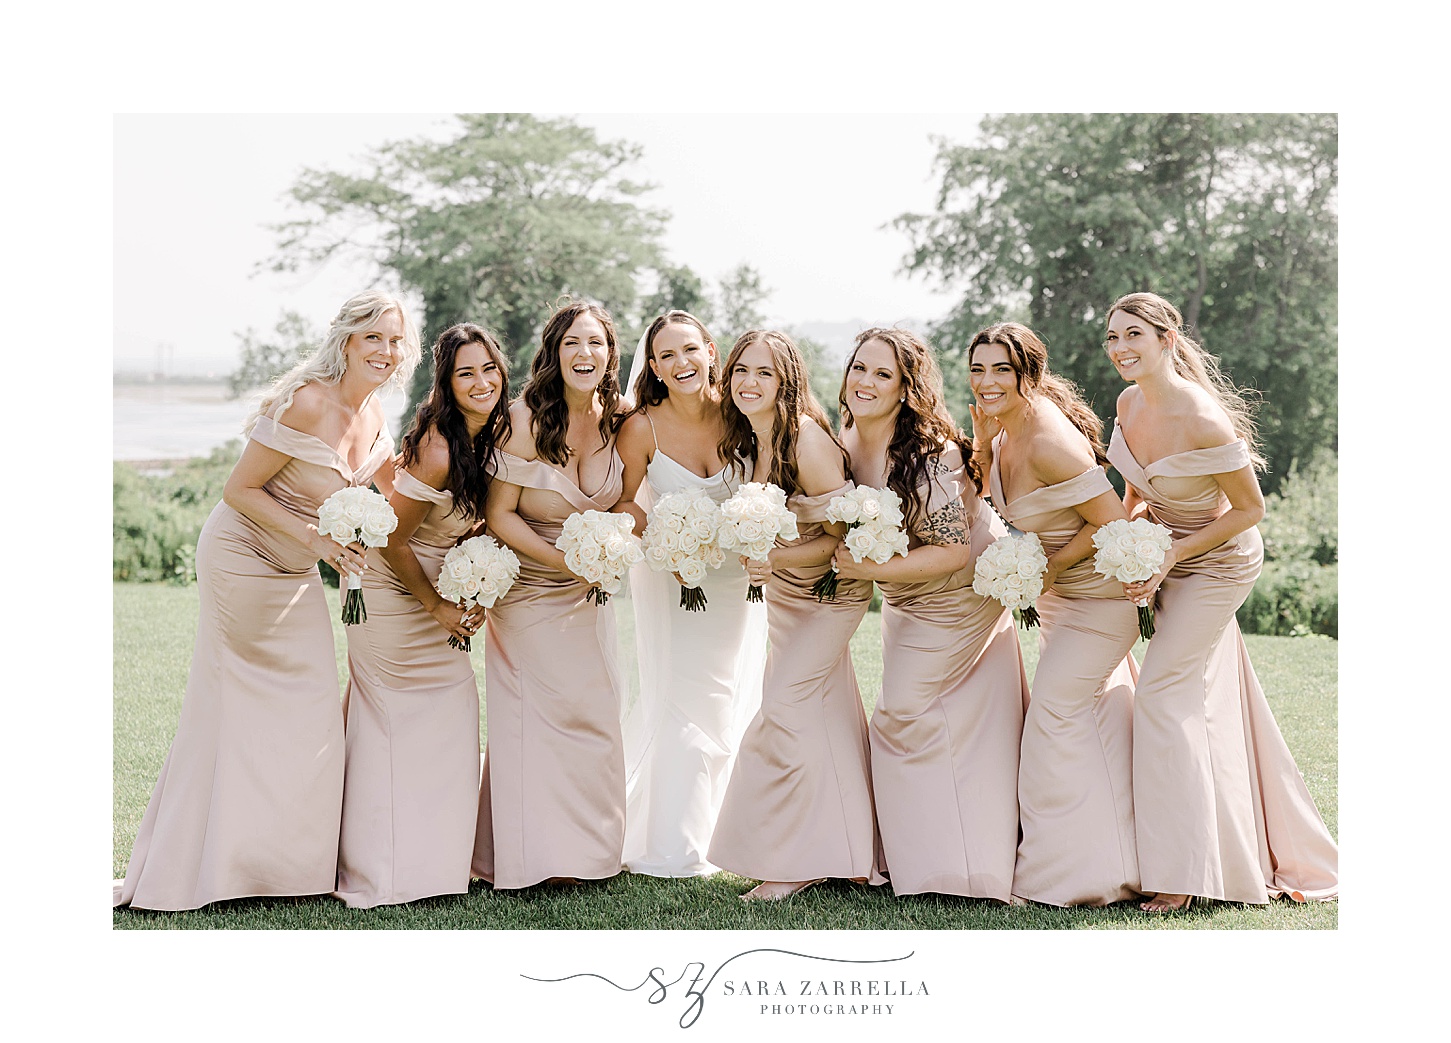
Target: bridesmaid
<point x="249" y="799"/>
<point x="799" y="805"/>
<point x="1221" y="809"/>
<point x="944" y="736"/>
<point x="412" y="706"/>
<point x="552" y="802"/>
<point x="700" y="672"/>
<point x="1045" y="467"/>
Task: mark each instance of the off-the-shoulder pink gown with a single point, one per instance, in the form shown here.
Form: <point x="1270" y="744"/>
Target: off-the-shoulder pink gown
<point x="799" y="803"/>
<point x="1075" y="780"/>
<point x="945" y="732"/>
<point x="410" y="796"/>
<point x="249" y="799"/>
<point x="1220" y="808"/>
<point x="552" y="801"/>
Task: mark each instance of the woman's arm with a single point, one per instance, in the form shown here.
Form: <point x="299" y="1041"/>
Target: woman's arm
<point x="820" y="470"/>
<point x="635" y="447"/>
<point x="502" y="514"/>
<point x="244" y="493"/>
<point x="430" y="468"/>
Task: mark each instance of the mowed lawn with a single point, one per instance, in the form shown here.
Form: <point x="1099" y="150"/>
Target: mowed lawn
<point x="155" y="625"/>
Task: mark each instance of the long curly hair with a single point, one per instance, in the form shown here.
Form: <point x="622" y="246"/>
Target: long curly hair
<point x="544" y="390"/>
<point x="1028" y="356"/>
<point x="793" y="401"/>
<point x="1195" y="364"/>
<point x="328" y="363"/>
<point x="468" y="478"/>
<point x="649" y="389"/>
<point x="924" y="427"/>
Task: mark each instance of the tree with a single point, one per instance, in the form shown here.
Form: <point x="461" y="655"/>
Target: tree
<point x="740" y="296"/>
<point x="1231" y="217"/>
<point x="491" y="226"/>
<point x="263" y="361"/>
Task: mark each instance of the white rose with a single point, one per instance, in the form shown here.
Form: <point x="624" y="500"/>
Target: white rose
<point x="692" y="572"/>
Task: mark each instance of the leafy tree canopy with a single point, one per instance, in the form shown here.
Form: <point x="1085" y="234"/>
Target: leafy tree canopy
<point x="491" y="226"/>
<point x="1231" y="217"/>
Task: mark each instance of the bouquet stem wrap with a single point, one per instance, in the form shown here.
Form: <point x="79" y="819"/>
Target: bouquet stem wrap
<point x="752" y="521"/>
<point x="1131" y="552"/>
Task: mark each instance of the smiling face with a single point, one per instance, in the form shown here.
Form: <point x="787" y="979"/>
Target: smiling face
<point x="476" y="382"/>
<point x="373" y="353"/>
<point x="993" y="379"/>
<point x="873" y="381"/>
<point x="681" y="358"/>
<point x="1134" y="346"/>
<point x="754" y="380"/>
<point x="584" y="353"/>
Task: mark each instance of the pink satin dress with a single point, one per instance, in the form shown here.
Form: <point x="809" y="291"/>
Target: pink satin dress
<point x="1220" y="808"/>
<point x="552" y="801"/>
<point x="410" y="796"/>
<point x="250" y="797"/>
<point x="945" y="732"/>
<point x="1075" y="778"/>
<point x="799" y="802"/>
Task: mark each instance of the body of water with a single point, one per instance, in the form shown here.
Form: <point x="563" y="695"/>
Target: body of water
<point x="173" y="421"/>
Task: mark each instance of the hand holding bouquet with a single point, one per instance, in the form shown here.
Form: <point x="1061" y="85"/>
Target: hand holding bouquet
<point x="476" y="572"/>
<point x="751" y="522"/>
<point x="1131" y="552"/>
<point x="682" y="537"/>
<point x="356" y="515"/>
<point x="1011" y="571"/>
<point x="874" y="530"/>
<point x="600" y="547"/>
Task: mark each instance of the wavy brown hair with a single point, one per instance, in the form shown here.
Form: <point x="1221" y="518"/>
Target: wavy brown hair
<point x="793" y="401"/>
<point x="924" y="427"/>
<point x="544" y="390"/>
<point x="1028" y="356"/>
<point x="649" y="389"/>
<point x="1195" y="364"/>
<point x="468" y="478"/>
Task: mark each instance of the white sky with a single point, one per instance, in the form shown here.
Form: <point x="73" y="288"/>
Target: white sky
<point x="803" y="198"/>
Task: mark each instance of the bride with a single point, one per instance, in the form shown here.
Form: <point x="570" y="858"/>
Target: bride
<point x="700" y="672"/>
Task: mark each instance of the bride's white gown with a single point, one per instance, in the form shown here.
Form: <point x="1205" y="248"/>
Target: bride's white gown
<point x="700" y="685"/>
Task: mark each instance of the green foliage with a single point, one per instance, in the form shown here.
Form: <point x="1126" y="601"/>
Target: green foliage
<point x="825" y="374"/>
<point x="1230" y="216"/>
<point x="1298" y="592"/>
<point x="739" y="299"/>
<point x="155" y="519"/>
<point x="491" y="226"/>
<point x="263" y="361"/>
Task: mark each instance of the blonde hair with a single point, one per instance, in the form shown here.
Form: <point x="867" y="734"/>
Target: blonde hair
<point x="1196" y="365"/>
<point x="328" y="363"/>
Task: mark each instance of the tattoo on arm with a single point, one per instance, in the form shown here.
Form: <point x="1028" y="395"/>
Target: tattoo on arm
<point x="946" y="527"/>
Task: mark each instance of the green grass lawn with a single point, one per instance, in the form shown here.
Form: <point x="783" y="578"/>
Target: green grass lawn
<point x="155" y="625"/>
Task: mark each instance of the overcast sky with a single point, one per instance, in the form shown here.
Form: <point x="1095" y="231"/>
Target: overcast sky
<point x="803" y="198"/>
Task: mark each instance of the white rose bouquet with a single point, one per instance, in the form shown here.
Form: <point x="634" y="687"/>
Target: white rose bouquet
<point x="600" y="547"/>
<point x="682" y="537"/>
<point x="356" y="515"/>
<point x="476" y="572"/>
<point x="1011" y="571"/>
<point x="751" y="522"/>
<point x="874" y="530"/>
<point x="1130" y="552"/>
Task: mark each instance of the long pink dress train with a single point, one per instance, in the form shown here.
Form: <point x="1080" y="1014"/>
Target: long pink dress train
<point x="945" y="732"/>
<point x="1075" y="778"/>
<point x="799" y="803"/>
<point x="249" y="799"/>
<point x="410" y="794"/>
<point x="552" y="799"/>
<point x="1221" y="810"/>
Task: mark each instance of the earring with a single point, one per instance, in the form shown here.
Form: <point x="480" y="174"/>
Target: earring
<point x="902" y="399"/>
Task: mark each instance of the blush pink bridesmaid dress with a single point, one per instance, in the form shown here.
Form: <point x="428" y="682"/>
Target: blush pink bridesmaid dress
<point x="249" y="799"/>
<point x="799" y="802"/>
<point x="1220" y="808"/>
<point x="1075" y="777"/>
<point x="552" y="800"/>
<point x="945" y="732"/>
<point x="410" y="794"/>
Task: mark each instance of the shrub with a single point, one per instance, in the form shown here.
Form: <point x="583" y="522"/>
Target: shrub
<point x="1298" y="591"/>
<point x="155" y="519"/>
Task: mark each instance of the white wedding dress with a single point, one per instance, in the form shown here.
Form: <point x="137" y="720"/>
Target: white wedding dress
<point x="700" y="685"/>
